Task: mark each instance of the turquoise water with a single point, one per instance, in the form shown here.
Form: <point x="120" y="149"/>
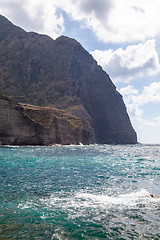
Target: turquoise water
<point x="80" y="192"/>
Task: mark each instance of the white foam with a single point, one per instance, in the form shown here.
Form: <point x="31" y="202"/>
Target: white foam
<point x="84" y="200"/>
<point x="25" y="205"/>
<point x="59" y="234"/>
<point x="128" y="199"/>
<point x="82" y="203"/>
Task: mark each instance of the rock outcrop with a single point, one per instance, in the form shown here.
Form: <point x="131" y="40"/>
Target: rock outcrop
<point x="38" y="70"/>
<point x="32" y="125"/>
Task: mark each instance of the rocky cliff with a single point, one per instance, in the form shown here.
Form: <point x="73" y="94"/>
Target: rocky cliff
<point x="33" y="125"/>
<point x="60" y="73"/>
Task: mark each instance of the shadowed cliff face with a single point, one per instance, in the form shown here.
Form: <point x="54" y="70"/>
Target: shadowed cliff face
<point x="101" y="100"/>
<point x="60" y="73"/>
<point x="31" y="125"/>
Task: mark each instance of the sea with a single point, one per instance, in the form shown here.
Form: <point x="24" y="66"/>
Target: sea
<point x="80" y="192"/>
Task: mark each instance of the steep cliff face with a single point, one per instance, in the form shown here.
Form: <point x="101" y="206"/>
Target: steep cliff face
<point x="101" y="100"/>
<point x="60" y="73"/>
<point x="31" y="125"/>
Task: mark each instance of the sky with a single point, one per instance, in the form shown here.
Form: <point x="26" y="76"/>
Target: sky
<point x="123" y="36"/>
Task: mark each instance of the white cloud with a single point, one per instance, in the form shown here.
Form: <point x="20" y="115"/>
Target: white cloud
<point x="148" y="129"/>
<point x="135" y="61"/>
<point x="158" y="120"/>
<point x="130" y="94"/>
<point x="129" y="91"/>
<point x="135" y="100"/>
<point x="111" y="20"/>
<point x="91" y="13"/>
<point x="37" y="15"/>
<point x="150" y="93"/>
<point x="116" y="21"/>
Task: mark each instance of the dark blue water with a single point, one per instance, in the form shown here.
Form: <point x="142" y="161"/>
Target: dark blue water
<point x="80" y="192"/>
